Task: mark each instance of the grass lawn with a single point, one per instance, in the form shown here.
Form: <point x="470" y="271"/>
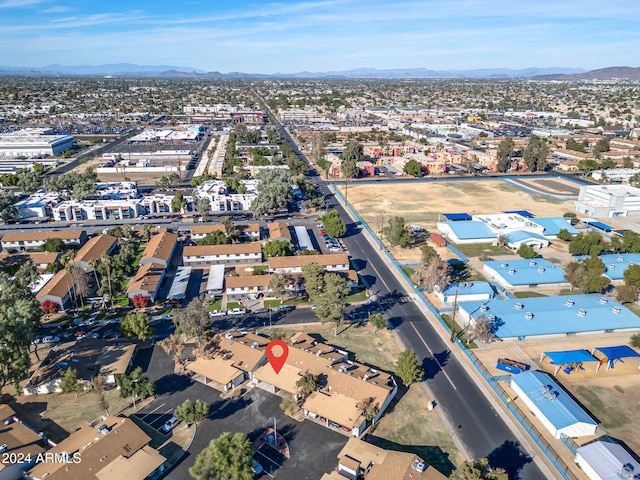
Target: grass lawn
<point x="361" y="296"/>
<point x="58" y="414"/>
<point x="459" y="332"/>
<point x="480" y="249"/>
<point x="408" y="271"/>
<point x="232" y="305"/>
<point x="408" y="426"/>
<point x="606" y="404"/>
<point x="136" y="262"/>
<point x="528" y="295"/>
<point x="217" y="305"/>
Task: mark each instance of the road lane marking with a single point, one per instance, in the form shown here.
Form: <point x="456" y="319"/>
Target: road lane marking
<point x="146" y="415"/>
<point x="434" y="357"/>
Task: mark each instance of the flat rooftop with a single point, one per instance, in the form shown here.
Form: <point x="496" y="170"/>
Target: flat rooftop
<point x="536" y="271"/>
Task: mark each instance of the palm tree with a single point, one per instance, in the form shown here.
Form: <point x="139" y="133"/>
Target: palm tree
<point x="107" y="261"/>
<point x="93" y="263"/>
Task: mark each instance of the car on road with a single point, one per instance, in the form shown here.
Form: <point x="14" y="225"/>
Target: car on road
<point x="170" y="424"/>
<point x="237" y="311"/>
<point x="284" y="308"/>
<point x="80" y="334"/>
<point x="50" y="339"/>
<point x="217" y="313"/>
<point x="261" y="310"/>
<point x="94" y="335"/>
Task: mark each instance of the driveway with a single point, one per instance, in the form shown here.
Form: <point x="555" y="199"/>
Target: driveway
<point x="313" y="448"/>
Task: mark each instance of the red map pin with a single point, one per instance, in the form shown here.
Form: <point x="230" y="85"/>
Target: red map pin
<point x="282" y="350"/>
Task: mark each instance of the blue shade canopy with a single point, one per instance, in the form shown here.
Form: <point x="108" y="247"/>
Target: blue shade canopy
<point x="522" y="213"/>
<point x="570" y="356"/>
<point x="617" y="353"/>
<point x="456" y="217"/>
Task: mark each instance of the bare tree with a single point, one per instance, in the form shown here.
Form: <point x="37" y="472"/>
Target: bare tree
<point x="480" y="329"/>
<point x="438" y="272"/>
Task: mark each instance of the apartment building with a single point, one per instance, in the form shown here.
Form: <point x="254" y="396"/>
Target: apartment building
<point x="233" y="254"/>
<point x="336" y="262"/>
<point x="32" y="240"/>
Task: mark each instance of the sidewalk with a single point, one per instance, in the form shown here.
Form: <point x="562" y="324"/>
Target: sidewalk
<point x="519" y="432"/>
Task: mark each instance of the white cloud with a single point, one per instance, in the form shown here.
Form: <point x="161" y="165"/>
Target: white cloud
<point x="19" y="3"/>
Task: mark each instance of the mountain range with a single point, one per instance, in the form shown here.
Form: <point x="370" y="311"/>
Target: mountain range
<point x="170" y="71"/>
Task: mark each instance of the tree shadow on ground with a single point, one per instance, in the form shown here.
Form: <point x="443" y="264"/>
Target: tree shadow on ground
<point x="510" y="457"/>
<point x="33" y="414"/>
<point x="433" y="455"/>
<point x="172" y="383"/>
<point x="434" y="364"/>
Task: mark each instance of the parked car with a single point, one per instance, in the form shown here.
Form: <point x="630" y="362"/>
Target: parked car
<point x="256" y="468"/>
<point x="94" y="335"/>
<point x="284" y="308"/>
<point x="50" y="339"/>
<point x="80" y="334"/>
<point x="217" y="313"/>
<point x="237" y="311"/>
<point x="170" y="424"/>
<point x="261" y="310"/>
<point x="112" y="335"/>
<point x="168" y="316"/>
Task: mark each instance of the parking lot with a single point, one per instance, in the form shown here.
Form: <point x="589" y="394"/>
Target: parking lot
<point x="156" y="415"/>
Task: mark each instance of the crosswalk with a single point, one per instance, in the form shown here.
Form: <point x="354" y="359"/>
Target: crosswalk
<point x="403" y="299"/>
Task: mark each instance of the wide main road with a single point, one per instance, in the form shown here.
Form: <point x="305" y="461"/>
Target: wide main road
<point x="480" y="428"/>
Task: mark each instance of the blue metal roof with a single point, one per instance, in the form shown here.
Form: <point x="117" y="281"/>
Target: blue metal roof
<point x="470" y="230"/>
<point x="468" y="288"/>
<point x="553" y="315"/>
<point x="617" y="263"/>
<point x="553" y="225"/>
<point x="456" y="217"/>
<point x="562" y="411"/>
<point x="522" y="213"/>
<point x="537" y="271"/>
<point x="523" y="236"/>
<point x="599" y="225"/>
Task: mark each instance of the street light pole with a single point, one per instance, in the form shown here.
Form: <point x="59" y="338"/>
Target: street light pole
<point x="275" y="428"/>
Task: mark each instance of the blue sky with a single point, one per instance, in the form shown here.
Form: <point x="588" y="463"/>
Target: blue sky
<point x="291" y="36"/>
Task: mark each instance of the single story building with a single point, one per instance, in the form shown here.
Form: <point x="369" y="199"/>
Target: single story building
<point x="465" y="292"/>
<point x="604" y="460"/>
<point x="524" y="272"/>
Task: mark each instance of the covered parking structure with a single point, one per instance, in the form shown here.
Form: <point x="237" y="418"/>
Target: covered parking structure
<point x="569" y="359"/>
<point x="615" y="354"/>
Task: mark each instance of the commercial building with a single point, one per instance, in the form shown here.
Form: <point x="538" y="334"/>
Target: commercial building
<point x="25" y="144"/>
<point x="526" y="317"/>
<point x="552" y="406"/>
<point x="617" y="263"/>
<point x="523" y="272"/>
<point x="608" y="200"/>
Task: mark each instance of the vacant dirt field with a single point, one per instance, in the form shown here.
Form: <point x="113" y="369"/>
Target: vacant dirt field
<point x="421" y="203"/>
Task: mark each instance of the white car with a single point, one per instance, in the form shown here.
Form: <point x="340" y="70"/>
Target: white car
<point x="50" y="339"/>
<point x="237" y="311"/>
<point x="170" y="424"/>
<point x="217" y="313"/>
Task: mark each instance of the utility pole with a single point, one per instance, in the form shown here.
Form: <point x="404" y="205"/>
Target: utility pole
<point x="453" y="317"/>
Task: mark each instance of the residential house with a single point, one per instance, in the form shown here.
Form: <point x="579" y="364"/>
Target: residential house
<point x="335" y="262"/>
<point x="93" y="250"/>
<point x="146" y="281"/>
<point x="230" y="360"/>
<point x="59" y="289"/>
<point x="19" y="440"/>
<point x="345" y="384"/>
<point x="250" y="286"/>
<point x="33" y="240"/>
<point x="111" y="449"/>
<point x="279" y="231"/>
<point x="234" y="254"/>
<point x="362" y="459"/>
<point x="160" y="249"/>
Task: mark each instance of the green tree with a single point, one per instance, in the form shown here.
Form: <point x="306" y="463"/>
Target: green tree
<point x="289" y="405"/>
<point x="274" y="191"/>
<point x="313" y="275"/>
<point x="589" y="244"/>
<point x="413" y="167"/>
<point x="378" y="320"/>
<point x="135" y="385"/>
<point x="601" y="146"/>
<point x="203" y="206"/>
<point x="480" y="470"/>
<point x="53" y="245"/>
<point x="277" y="284"/>
<point x="632" y="276"/>
<point x="630" y="242"/>
<point x="350" y="157"/>
<point x="276" y="248"/>
<point x="333" y="224"/>
<point x="564" y="234"/>
<point x="29" y="182"/>
<point x="535" y="154"/>
<point x="190" y="412"/>
<point x="505" y="152"/>
<point x="635" y="340"/>
<point x="7" y="210"/>
<point x="626" y="293"/>
<point x="408" y="368"/>
<point x="427" y="253"/>
<point x="70" y="383"/>
<point x="330" y="299"/>
<point x="227" y="457"/>
<point x="397" y="232"/>
<point x="214" y="238"/>
<point x="178" y="203"/>
<point x="307" y="384"/>
<point x="136" y="325"/>
<point x="634" y="180"/>
<point x="192" y="320"/>
<point x="588" y="166"/>
<point x="527" y="251"/>
<point x="19" y="316"/>
<point x="572" y="216"/>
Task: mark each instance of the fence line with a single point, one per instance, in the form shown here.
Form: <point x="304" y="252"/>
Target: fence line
<point x="535" y="435"/>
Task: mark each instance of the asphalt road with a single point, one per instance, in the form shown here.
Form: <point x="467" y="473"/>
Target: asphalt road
<point x="480" y="428"/>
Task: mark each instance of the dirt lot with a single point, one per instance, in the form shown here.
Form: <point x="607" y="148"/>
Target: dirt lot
<point x="421" y="203"/>
<point x="612" y="396"/>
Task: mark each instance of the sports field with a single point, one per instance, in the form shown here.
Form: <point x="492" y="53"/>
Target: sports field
<point x="421" y="203"/>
